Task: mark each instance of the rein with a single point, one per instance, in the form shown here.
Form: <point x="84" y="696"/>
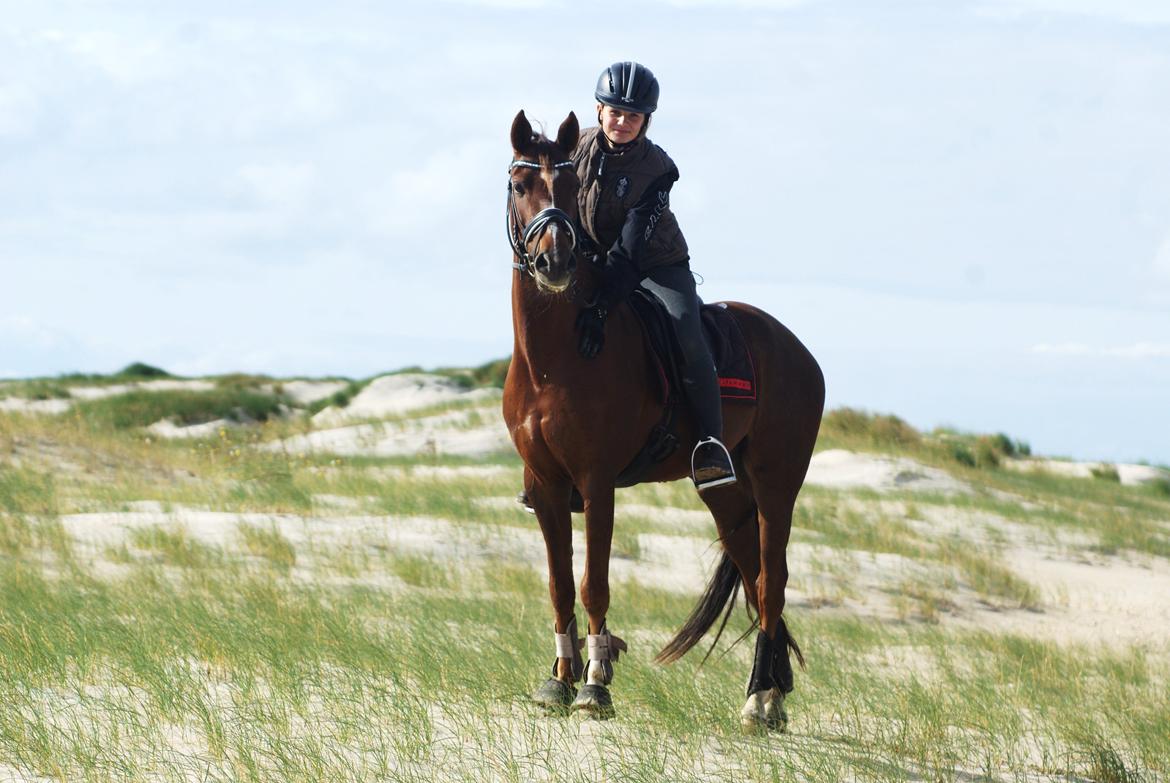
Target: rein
<point x="519" y="238"/>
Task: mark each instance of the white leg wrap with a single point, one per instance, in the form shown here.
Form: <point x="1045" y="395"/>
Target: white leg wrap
<point x="598" y="646"/>
<point x="569" y="646"/>
<point x="565" y="646"/>
<point x="602" y="649"/>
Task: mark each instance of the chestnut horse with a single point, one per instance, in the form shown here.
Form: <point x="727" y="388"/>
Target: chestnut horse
<point x="578" y="422"/>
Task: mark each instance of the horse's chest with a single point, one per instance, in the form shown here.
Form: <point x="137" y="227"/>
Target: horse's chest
<point x="549" y="431"/>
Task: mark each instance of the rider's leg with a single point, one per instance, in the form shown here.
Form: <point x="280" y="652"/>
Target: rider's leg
<point x="675" y="287"/>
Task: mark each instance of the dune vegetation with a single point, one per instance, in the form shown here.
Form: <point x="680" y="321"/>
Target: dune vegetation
<point x="268" y="590"/>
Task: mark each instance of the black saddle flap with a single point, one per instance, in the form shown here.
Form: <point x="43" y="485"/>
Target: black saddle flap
<point x="733" y="360"/>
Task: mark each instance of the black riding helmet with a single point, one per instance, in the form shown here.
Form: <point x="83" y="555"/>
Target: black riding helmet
<point x="628" y="86"/>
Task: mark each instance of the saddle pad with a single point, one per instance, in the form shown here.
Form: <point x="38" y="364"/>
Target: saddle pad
<point x="733" y="360"/>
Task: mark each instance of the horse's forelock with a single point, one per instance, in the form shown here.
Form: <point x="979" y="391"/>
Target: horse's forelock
<point x="546" y="150"/>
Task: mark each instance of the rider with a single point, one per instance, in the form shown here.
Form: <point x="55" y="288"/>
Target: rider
<point x="624" y="204"/>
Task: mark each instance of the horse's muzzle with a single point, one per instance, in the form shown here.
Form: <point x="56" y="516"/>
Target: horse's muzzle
<point x="554" y="271"/>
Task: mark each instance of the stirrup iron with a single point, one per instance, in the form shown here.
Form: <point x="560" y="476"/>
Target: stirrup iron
<point x="715" y="482"/>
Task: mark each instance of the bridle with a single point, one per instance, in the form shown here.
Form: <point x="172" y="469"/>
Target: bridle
<point x="521" y="238"/>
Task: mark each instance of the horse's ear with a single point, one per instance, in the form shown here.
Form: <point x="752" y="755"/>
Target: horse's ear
<point x="568" y="133"/>
<point x="521" y="133"/>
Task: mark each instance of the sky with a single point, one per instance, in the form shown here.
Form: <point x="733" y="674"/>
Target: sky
<point x="961" y="208"/>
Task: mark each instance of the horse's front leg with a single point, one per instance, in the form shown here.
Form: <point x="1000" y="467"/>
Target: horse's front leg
<point x="550" y="500"/>
<point x="601" y="645"/>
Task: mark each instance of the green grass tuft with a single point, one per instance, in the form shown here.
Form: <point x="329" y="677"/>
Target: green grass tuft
<point x="268" y="543"/>
<point x="1106" y="472"/>
<point x="142" y="408"/>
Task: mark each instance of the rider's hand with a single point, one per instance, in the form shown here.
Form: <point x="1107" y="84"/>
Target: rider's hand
<point x="591" y="325"/>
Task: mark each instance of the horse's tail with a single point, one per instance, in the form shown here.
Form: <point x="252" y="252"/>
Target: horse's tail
<point x="720" y="592"/>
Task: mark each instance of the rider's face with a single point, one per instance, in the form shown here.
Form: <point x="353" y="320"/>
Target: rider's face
<point x="620" y="127"/>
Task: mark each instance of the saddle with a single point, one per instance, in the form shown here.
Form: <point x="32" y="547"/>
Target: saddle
<point x="733" y="368"/>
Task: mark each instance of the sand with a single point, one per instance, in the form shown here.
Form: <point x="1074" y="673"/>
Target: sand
<point x="397" y="394"/>
<point x="841" y="469"/>
<point x="1129" y="474"/>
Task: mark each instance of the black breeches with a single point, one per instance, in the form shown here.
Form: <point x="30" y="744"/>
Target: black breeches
<point x="674" y="286"/>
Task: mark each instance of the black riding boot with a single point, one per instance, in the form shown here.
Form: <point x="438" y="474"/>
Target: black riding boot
<point x="710" y="462"/>
<point x="674" y="286"/>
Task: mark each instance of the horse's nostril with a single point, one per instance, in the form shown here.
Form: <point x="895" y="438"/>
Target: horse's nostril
<point x="572" y="263"/>
<point x="542" y="263"/>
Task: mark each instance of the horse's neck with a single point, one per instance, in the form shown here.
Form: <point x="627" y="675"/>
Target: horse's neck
<point x="545" y="324"/>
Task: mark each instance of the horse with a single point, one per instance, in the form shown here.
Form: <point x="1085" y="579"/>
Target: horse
<point x="577" y="422"/>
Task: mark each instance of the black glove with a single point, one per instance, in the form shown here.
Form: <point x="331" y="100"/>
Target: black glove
<point x="591" y="325"/>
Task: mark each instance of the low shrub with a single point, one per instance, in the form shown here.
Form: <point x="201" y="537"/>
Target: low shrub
<point x="491" y="374"/>
<point x="142" y="408"/>
<point x="1160" y="486"/>
<point x="961" y="453"/>
<point x="1007" y="447"/>
<point x="242" y="380"/>
<point x="1106" y="472"/>
<point x="141" y="370"/>
<point x="850" y="424"/>
<point x="339" y="399"/>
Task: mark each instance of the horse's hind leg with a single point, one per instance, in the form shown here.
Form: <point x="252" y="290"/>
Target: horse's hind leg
<point x="771" y="679"/>
<point x="737" y="520"/>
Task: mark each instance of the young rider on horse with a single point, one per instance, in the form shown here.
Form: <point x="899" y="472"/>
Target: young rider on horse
<point x="627" y="227"/>
<point x="625" y="214"/>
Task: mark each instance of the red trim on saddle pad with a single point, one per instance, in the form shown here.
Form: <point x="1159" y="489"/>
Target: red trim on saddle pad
<point x="733" y="359"/>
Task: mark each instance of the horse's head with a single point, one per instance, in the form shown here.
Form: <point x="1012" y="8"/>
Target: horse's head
<point x="542" y="203"/>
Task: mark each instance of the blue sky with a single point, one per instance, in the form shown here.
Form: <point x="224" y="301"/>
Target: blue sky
<point x="962" y="208"/>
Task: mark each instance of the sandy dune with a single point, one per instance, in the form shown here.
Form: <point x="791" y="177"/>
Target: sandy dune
<point x="1110" y="600"/>
<point x="1128" y="473"/>
<point x="841" y="469"/>
<point x="397" y="394"/>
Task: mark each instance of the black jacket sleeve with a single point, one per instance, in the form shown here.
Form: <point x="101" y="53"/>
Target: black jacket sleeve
<point x="622" y="269"/>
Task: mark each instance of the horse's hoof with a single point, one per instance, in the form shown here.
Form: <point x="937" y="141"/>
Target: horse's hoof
<point x="763" y="712"/>
<point x="594" y="701"/>
<point x="775" y="718"/>
<point x="751" y="717"/>
<point x="554" y="695"/>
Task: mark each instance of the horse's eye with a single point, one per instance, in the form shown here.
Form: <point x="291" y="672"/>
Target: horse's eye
<point x="518" y="187"/>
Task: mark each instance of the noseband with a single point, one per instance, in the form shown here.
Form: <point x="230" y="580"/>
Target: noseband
<point x="520" y="238"/>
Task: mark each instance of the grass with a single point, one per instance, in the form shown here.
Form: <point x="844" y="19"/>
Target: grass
<point x="267" y="655"/>
<point x="268" y="678"/>
<point x="142" y="408"/>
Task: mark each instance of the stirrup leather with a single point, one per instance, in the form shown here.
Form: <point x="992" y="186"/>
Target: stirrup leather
<point x="716" y="482"/>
